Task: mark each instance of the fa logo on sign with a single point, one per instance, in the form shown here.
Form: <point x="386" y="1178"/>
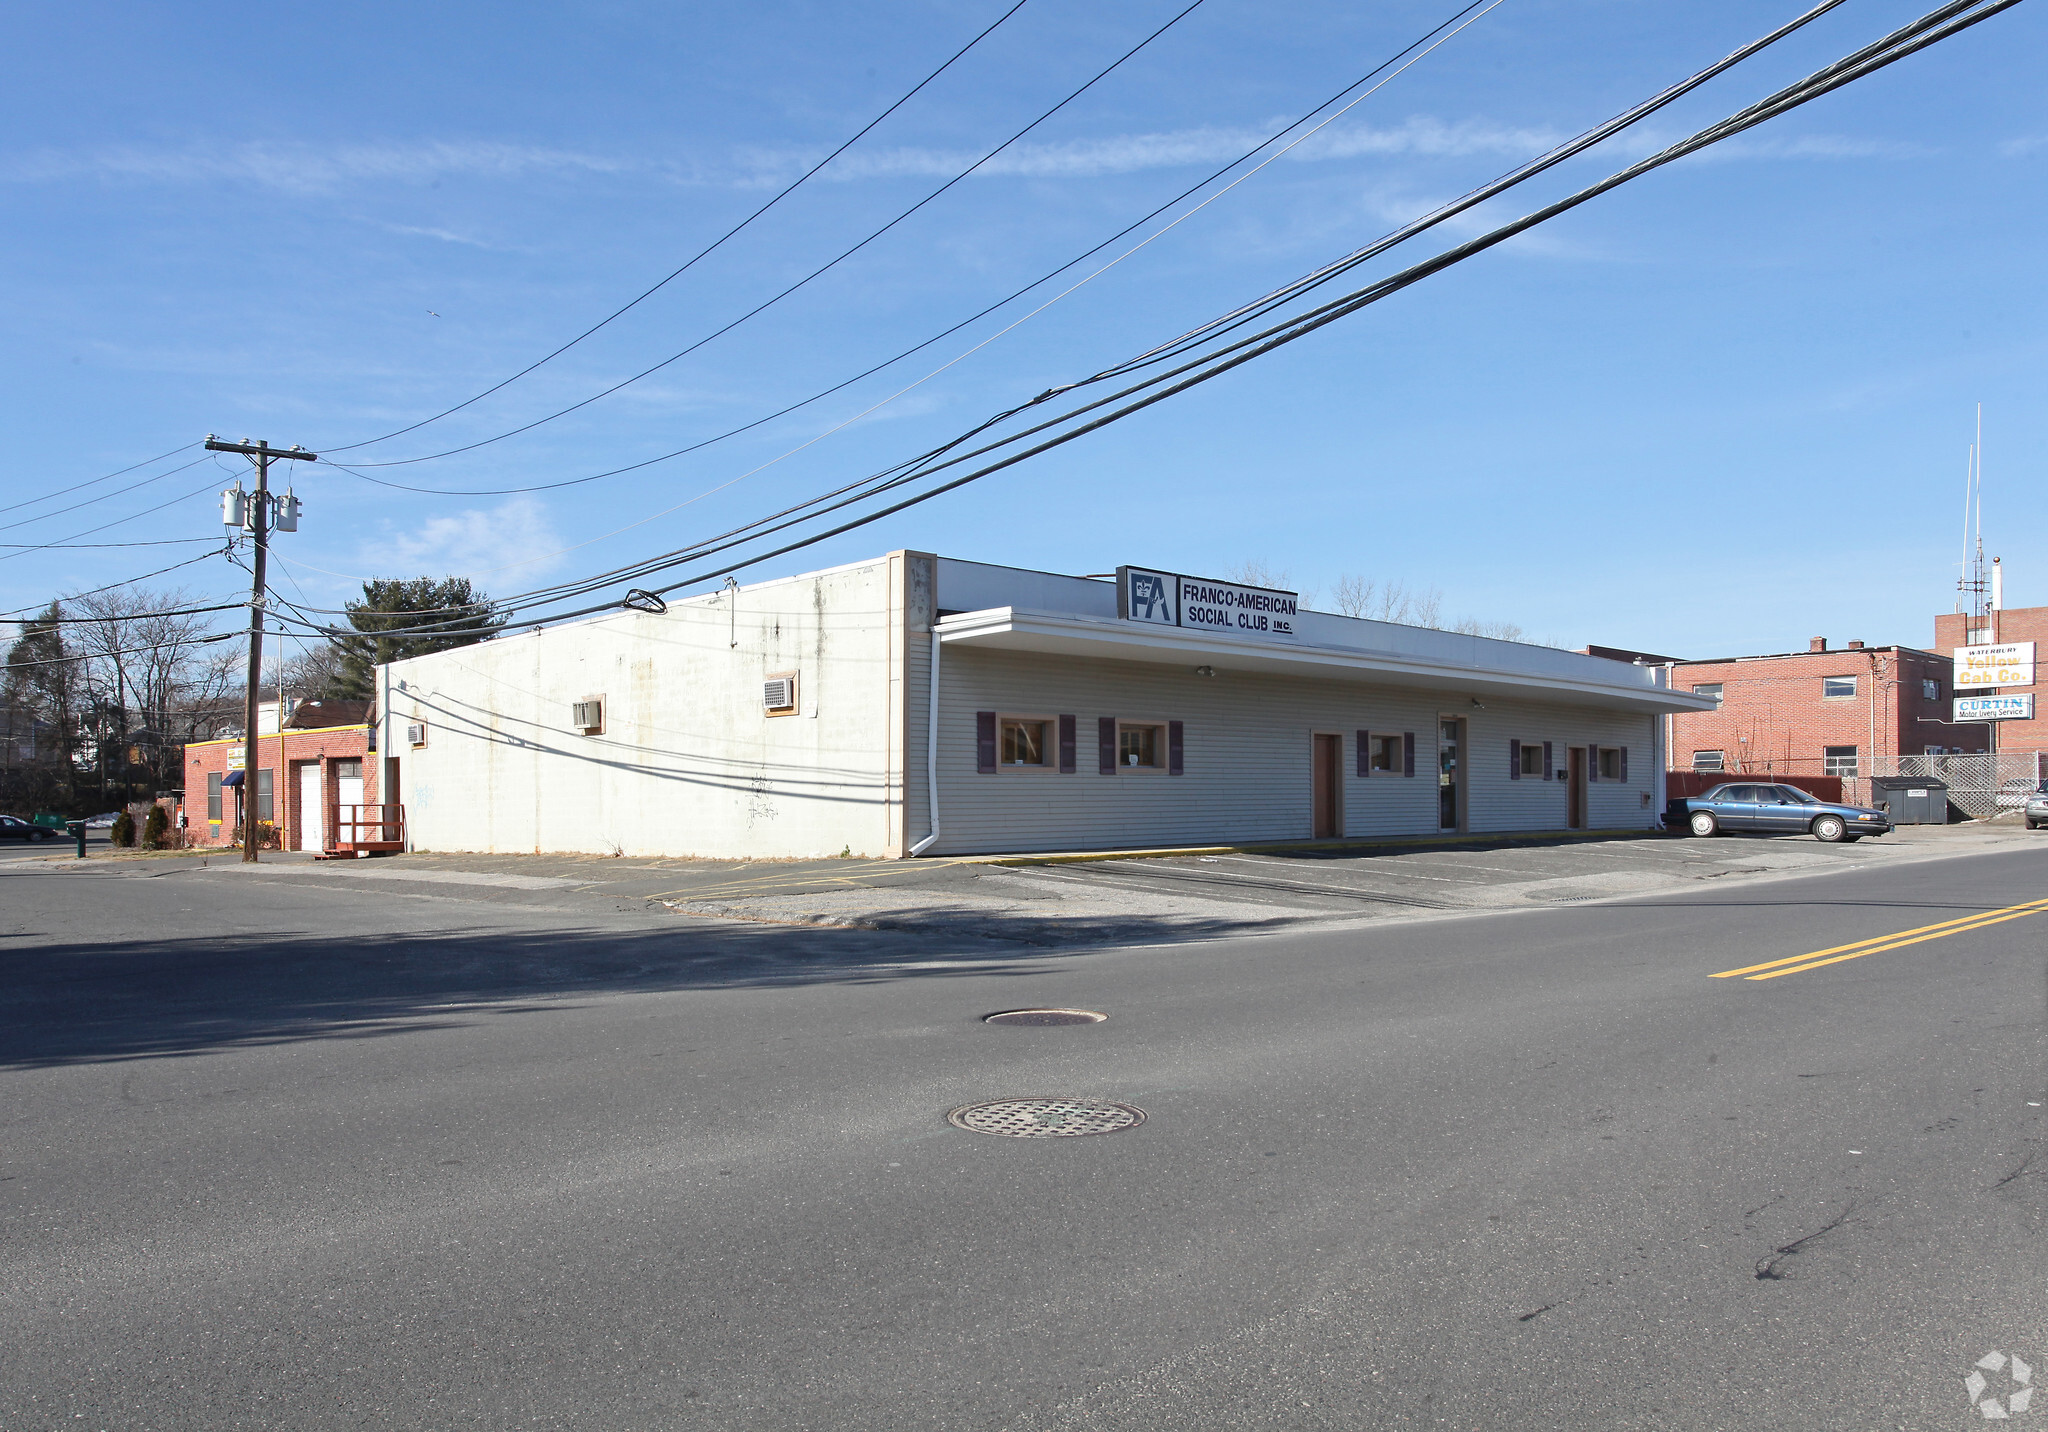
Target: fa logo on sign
<point x="1148" y="597"/>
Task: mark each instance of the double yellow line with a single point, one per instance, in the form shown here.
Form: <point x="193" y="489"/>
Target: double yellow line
<point x="1814" y="959"/>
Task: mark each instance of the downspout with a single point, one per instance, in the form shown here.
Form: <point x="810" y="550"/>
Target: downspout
<point x="931" y="754"/>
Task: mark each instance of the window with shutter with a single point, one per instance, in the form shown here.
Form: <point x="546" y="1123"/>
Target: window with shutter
<point x="1176" y="748"/>
<point x="1514" y="760"/>
<point x="985" y="743"/>
<point x="1592" y="763"/>
<point x="1549" y="766"/>
<point x="1068" y="742"/>
<point x="1407" y="753"/>
<point x="1105" y="745"/>
<point x="1624" y="763"/>
<point x="1364" y="753"/>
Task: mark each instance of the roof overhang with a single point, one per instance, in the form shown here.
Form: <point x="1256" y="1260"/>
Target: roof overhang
<point x="1015" y="629"/>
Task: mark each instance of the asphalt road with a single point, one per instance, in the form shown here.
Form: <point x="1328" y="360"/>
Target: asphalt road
<point x="280" y="1155"/>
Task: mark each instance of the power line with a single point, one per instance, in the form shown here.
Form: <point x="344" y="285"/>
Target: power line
<point x="1937" y="25"/>
<point x="126" y="651"/>
<point x="132" y="487"/>
<point x="899" y="473"/>
<point x="131" y="581"/>
<point x="822" y="269"/>
<point x="704" y="252"/>
<point x="118" y="521"/>
<point x="1003" y="302"/>
<point x="81" y="546"/>
<point x="94" y="482"/>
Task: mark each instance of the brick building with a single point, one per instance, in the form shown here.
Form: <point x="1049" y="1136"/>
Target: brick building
<point x="319" y="761"/>
<point x="1844" y="712"/>
<point x="2016" y="624"/>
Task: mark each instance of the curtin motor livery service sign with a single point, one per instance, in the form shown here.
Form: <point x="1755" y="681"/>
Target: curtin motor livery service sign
<point x="2007" y="664"/>
<point x="1995" y="708"/>
<point x="1203" y="604"/>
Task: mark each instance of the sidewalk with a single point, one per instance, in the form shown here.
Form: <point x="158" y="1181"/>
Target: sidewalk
<point x="1098" y="896"/>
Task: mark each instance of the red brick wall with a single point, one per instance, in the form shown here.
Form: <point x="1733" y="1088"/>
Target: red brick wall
<point x="2014" y="624"/>
<point x="1774" y="721"/>
<point x="1680" y="784"/>
<point x="335" y="743"/>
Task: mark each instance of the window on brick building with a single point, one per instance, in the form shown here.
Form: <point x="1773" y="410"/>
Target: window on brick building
<point x="1709" y="760"/>
<point x="1708" y="688"/>
<point x="1833" y="686"/>
<point x="1930" y="691"/>
<point x="1838" y="760"/>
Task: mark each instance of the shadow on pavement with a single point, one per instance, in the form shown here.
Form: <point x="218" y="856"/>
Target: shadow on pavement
<point x="144" y="998"/>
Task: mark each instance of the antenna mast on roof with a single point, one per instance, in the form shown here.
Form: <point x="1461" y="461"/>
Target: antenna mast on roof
<point x="1973" y="589"/>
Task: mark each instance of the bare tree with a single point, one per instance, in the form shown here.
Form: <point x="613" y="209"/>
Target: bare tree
<point x="1389" y="601"/>
<point x="1254" y="572"/>
<point x="1499" y="631"/>
<point x="154" y="679"/>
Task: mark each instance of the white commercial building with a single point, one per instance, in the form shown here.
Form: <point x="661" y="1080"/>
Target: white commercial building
<point x="799" y="718"/>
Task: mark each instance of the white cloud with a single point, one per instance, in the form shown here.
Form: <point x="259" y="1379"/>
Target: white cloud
<point x="516" y="534"/>
<point x="308" y="167"/>
<point x="2021" y="148"/>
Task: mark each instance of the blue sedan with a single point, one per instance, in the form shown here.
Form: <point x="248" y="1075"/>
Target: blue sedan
<point x="1773" y="809"/>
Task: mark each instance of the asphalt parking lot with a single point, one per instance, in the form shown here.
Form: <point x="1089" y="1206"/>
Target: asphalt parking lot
<point x="1059" y="901"/>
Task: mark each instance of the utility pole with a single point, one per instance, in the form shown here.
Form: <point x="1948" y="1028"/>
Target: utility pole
<point x="256" y="517"/>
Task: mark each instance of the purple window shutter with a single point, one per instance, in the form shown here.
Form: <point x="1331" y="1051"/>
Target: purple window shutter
<point x="1624" y="765"/>
<point x="985" y="743"/>
<point x="1365" y="753"/>
<point x="1067" y="744"/>
<point x="1407" y="753"/>
<point x="1176" y="748"/>
<point x="1592" y="764"/>
<point x="1105" y="745"/>
<point x="1546" y="761"/>
<point x="1514" y="760"/>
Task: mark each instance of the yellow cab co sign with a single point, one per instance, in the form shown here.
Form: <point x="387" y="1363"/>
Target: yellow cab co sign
<point x="1203" y="604"/>
<point x="2007" y="664"/>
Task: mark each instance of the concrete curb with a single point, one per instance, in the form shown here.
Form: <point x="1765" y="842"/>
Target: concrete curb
<point x="1403" y="842"/>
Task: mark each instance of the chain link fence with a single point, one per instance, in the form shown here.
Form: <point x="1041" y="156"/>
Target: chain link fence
<point x="1978" y="786"/>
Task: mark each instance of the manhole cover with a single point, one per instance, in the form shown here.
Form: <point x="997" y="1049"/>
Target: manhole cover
<point x="1044" y="1016"/>
<point x="1050" y="1118"/>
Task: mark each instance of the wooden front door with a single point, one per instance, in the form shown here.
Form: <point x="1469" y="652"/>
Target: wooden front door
<point x="1329" y="761"/>
<point x="1575" y="788"/>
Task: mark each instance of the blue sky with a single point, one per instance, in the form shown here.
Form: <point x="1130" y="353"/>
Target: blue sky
<point x="1720" y="411"/>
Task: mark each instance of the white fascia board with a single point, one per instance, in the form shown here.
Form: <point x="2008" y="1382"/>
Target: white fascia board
<point x="1014" y="629"/>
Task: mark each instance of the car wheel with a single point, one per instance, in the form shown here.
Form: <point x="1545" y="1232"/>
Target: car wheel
<point x="1829" y="828"/>
<point x="1702" y="822"/>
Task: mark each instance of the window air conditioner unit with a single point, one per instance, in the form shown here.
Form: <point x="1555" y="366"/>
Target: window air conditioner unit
<point x="588" y="716"/>
<point x="778" y="693"/>
<point x="416" y="734"/>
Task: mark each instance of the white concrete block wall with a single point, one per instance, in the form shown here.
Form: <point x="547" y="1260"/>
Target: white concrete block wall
<point x="1249" y="758"/>
<point x="688" y="763"/>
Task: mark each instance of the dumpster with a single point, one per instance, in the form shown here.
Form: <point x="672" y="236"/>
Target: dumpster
<point x="1911" y="800"/>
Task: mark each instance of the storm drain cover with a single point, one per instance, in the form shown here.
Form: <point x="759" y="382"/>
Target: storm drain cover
<point x="1044" y="1016"/>
<point x="1047" y="1118"/>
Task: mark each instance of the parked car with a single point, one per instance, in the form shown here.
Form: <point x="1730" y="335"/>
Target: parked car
<point x="13" y="827"/>
<point x="2036" y="808"/>
<point x="1774" y="809"/>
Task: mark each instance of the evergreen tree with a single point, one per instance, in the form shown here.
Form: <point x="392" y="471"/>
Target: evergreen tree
<point x="462" y="614"/>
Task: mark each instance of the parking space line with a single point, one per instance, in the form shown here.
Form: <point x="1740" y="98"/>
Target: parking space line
<point x="1814" y="959"/>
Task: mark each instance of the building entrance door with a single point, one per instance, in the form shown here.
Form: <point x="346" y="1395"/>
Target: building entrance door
<point x="348" y="791"/>
<point x="1447" y="772"/>
<point x="1329" y="762"/>
<point x="312" y="808"/>
<point x="1575" y="788"/>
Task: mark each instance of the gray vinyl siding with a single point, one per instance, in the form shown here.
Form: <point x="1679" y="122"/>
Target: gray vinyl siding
<point x="1249" y="764"/>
